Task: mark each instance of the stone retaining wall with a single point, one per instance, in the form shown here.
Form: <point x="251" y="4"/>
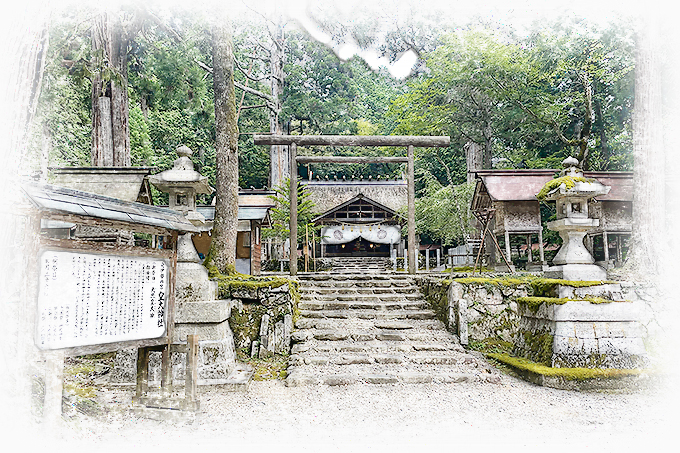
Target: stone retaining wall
<point x="262" y="319"/>
<point x="609" y="330"/>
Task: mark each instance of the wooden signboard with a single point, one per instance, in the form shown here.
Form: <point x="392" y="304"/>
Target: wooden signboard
<point x="91" y="301"/>
<point x="87" y="299"/>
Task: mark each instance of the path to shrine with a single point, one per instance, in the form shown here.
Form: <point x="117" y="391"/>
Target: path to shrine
<point x="397" y="417"/>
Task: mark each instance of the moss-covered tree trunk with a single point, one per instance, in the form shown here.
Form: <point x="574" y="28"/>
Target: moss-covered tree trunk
<point x="223" y="249"/>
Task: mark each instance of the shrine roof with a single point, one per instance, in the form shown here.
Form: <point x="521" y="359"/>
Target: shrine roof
<point x="514" y="185"/>
<point x="524" y="184"/>
<point x="621" y="183"/>
<point x="360" y="197"/>
<point x="60" y="200"/>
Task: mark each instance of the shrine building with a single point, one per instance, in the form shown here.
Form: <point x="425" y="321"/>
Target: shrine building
<point x="509" y="198"/>
<point x="359" y="217"/>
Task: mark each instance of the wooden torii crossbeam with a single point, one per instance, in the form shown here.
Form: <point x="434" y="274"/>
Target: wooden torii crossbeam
<point x="353" y="140"/>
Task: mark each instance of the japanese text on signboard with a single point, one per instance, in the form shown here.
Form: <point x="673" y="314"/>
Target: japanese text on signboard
<point x="88" y="299"/>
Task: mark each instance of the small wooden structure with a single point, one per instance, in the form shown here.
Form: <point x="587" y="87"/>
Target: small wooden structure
<point x="608" y="242"/>
<point x="511" y="194"/>
<point x="253" y="215"/>
<point x="89" y="297"/>
<point x="410" y="142"/>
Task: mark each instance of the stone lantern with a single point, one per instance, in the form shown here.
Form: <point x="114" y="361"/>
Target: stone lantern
<point x="571" y="192"/>
<point x="198" y="311"/>
<point x="182" y="183"/>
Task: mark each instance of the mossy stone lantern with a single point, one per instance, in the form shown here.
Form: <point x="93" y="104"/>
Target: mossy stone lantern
<point x="183" y="183"/>
<point x="571" y="192"/>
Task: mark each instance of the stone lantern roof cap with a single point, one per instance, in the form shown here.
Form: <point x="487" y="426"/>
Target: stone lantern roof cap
<point x="181" y="175"/>
<point x="572" y="183"/>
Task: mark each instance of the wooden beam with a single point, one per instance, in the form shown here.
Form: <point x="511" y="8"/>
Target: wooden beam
<point x="353" y="140"/>
<point x="351" y="160"/>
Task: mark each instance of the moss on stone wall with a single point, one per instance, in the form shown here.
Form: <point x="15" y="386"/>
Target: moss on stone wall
<point x="436" y="294"/>
<point x="566" y="373"/>
<point x="534" y="302"/>
<point x="537" y="346"/>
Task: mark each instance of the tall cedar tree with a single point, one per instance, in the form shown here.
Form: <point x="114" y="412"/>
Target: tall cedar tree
<point x="226" y="145"/>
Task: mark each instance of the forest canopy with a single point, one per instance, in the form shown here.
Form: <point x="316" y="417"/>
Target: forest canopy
<point x="526" y="100"/>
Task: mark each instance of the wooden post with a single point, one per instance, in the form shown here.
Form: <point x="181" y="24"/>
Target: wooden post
<point x="54" y="387"/>
<point x="529" y="257"/>
<point x="142" y="373"/>
<point x="540" y="246"/>
<point x="313" y="251"/>
<point x="605" y="244"/>
<point x="293" y="210"/>
<point x="306" y="248"/>
<point x="508" y="252"/>
<point x="166" y="370"/>
<point x="412" y="263"/>
<point x="191" y="378"/>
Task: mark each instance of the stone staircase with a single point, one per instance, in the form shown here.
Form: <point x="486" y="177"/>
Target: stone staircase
<point x="348" y="265"/>
<point x="374" y="328"/>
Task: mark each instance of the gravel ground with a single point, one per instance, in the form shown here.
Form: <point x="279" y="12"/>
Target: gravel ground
<point x="402" y="417"/>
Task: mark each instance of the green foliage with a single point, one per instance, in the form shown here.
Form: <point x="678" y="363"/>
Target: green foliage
<point x="140" y="140"/>
<point x="280" y="215"/>
<point x="443" y="212"/>
<point x="520" y="97"/>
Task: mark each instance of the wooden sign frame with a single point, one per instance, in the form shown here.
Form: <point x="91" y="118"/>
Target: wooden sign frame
<point x="76" y="246"/>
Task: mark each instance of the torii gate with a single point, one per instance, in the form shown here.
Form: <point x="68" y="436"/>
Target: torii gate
<point x="353" y="140"/>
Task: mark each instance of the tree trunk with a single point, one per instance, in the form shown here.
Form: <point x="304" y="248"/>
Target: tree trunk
<point x="279" y="155"/>
<point x="226" y="149"/>
<point x="646" y="253"/>
<point x="110" y="104"/>
<point x="475" y="155"/>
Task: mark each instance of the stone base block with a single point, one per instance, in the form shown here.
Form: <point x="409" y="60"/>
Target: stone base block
<point x="536" y="267"/>
<point x="216" y="361"/>
<point x="211" y="311"/>
<point x="205" y="331"/>
<point x="502" y="267"/>
<point x="578" y="272"/>
<point x="583" y="334"/>
<point x="610" y="291"/>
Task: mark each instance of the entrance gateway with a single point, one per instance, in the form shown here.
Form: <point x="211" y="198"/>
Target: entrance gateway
<point x="348" y="140"/>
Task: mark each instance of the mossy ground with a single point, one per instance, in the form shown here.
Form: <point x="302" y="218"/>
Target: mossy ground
<point x="270" y="368"/>
<point x="469" y="269"/>
<point x="80" y="386"/>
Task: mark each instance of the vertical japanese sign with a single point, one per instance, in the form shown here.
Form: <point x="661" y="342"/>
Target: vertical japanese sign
<point x="89" y="299"/>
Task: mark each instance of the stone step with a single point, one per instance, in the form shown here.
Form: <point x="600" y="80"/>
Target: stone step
<point x="333" y="375"/>
<point x="324" y="277"/>
<point x="369" y="314"/>
<point x="374" y="328"/>
<point x="379" y="304"/>
<point x="377" y="298"/>
<point x="372" y="346"/>
<point x="420" y="325"/>
<point x="344" y="359"/>
<point x="361" y="289"/>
